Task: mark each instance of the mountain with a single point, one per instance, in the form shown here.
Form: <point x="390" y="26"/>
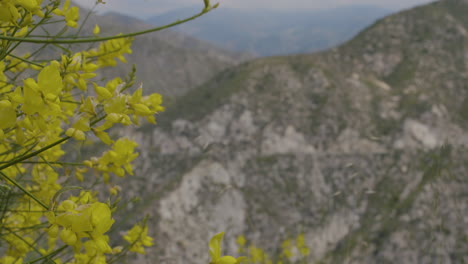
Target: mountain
<point x="362" y="148"/>
<point x="270" y="32"/>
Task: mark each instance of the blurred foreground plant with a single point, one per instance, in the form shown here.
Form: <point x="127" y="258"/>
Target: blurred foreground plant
<point x="47" y="102"/>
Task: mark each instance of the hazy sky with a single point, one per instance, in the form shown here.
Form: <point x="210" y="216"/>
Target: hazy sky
<point x="145" y="8"/>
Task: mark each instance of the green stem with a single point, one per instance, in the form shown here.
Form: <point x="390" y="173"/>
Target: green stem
<point x="94" y="39"/>
<point x="24" y="190"/>
<point x="52" y="162"/>
<point x="50" y="255"/>
<point x="26" y="60"/>
<point x="32" y="154"/>
<point x="71" y="102"/>
<point x="24" y="240"/>
<point x="37" y="152"/>
<point x="8" y="50"/>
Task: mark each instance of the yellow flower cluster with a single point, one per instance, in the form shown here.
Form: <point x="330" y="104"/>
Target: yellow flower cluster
<point x="43" y="104"/>
<point x="110" y="50"/>
<point x="11" y="10"/>
<point x="117" y="161"/>
<point x="302" y="246"/>
<point x="78" y="221"/>
<point x="290" y="251"/>
<point x="71" y="14"/>
<point x="215" y="252"/>
<point x="138" y="238"/>
<point x="47" y="101"/>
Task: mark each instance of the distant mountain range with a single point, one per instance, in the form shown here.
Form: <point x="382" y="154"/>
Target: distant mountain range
<point x="265" y="32"/>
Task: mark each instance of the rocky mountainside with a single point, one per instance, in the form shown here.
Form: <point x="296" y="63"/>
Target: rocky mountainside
<point x="362" y="148"/>
<point x="272" y="32"/>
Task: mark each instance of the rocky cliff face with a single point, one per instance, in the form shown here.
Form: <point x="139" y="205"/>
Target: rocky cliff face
<point x="361" y="148"/>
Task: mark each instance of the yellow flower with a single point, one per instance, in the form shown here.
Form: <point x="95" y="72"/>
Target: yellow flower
<point x="68" y="237"/>
<point x="96" y="30"/>
<point x="102" y="92"/>
<point x="215" y="252"/>
<point x="141" y="109"/>
<point x="85" y="220"/>
<point x="115" y="190"/>
<point x="76" y="134"/>
<point x="49" y="80"/>
<point x="118" y="160"/>
<point x="8" y="12"/>
<point x="287" y="249"/>
<point x="22" y="32"/>
<point x="72" y="15"/>
<point x="53" y="231"/>
<point x="241" y="241"/>
<point x="101" y="218"/>
<point x="87" y="106"/>
<point x="138" y="238"/>
<point x="30" y="5"/>
<point x="257" y="255"/>
<point x="43" y="97"/>
<point x="302" y="246"/>
<point x="110" y="50"/>
<point x="7" y="117"/>
<point x="103" y="136"/>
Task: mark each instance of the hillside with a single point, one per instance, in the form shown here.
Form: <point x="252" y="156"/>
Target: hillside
<point x="267" y="32"/>
<point x="363" y="148"/>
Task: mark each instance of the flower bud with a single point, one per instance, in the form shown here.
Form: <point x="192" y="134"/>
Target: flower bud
<point x="96" y="30"/>
<point x="141" y="109"/>
<point x="102" y="92"/>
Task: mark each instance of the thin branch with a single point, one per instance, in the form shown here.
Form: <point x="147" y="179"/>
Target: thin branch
<point x="24" y="190"/>
<point x="33" y="154"/>
<point x="94" y="39"/>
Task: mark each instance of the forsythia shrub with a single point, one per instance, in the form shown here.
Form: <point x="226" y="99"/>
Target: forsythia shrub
<point x="45" y="103"/>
